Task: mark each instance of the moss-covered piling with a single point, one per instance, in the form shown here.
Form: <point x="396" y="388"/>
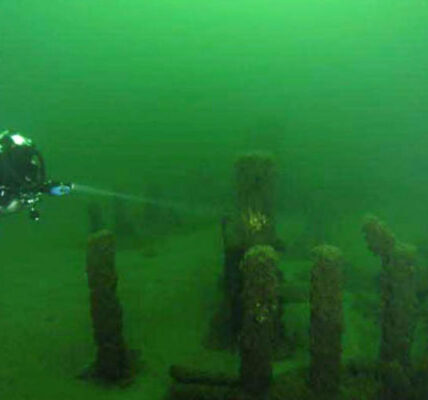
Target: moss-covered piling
<point x="113" y="363"/>
<point x="256" y="194"/>
<point x="326" y="321"/>
<point x="259" y="321"/>
<point x="253" y="223"/>
<point x="398" y="311"/>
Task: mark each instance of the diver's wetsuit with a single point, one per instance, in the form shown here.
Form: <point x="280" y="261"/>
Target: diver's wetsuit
<point x="22" y="173"/>
<point x="23" y="177"/>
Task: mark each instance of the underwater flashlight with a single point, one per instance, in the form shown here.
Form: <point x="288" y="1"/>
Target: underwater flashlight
<point x="60" y="189"/>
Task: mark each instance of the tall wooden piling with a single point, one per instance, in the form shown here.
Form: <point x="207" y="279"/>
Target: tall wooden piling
<point x="252" y="223"/>
<point x="326" y="322"/>
<point x="112" y="363"/>
<point x="398" y="310"/>
<point x="260" y="307"/>
<point x="256" y="195"/>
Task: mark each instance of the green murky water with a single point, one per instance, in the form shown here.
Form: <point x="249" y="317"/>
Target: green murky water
<point x="157" y="99"/>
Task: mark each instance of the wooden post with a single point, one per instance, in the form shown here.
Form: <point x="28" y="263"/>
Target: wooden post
<point x="260" y="306"/>
<point x="326" y="322"/>
<point x="112" y="363"/>
<point x="398" y="308"/>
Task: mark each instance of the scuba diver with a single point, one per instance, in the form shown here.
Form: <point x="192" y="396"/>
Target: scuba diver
<point x="22" y="176"/>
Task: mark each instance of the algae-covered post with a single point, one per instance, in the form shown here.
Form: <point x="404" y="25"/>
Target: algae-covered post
<point x="256" y="192"/>
<point x="260" y="316"/>
<point x="252" y="223"/>
<point x="380" y="240"/>
<point x="326" y="321"/>
<point x="113" y="362"/>
<point x="398" y="315"/>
